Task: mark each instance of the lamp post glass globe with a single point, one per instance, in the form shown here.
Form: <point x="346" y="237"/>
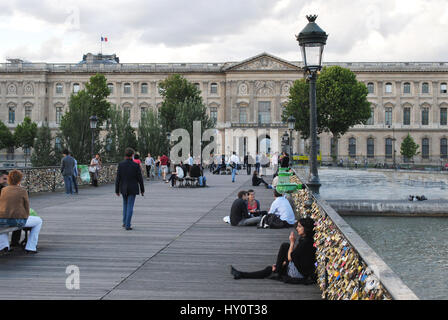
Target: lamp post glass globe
<point x="291" y="122"/>
<point x="312" y="40"/>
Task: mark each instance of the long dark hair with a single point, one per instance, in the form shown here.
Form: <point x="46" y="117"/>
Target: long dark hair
<point x="308" y="227"/>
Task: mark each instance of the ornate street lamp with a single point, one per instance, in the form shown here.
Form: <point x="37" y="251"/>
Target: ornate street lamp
<point x="285" y="139"/>
<point x="312" y="40"/>
<point x="291" y="126"/>
<point x="93" y="123"/>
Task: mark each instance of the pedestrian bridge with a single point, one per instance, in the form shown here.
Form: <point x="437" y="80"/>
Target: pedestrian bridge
<point x="179" y="249"/>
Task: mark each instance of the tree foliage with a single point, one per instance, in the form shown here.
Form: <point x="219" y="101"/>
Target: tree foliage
<point x="341" y="103"/>
<point x="6" y="137"/>
<point x="44" y="153"/>
<point x="120" y="135"/>
<point x="151" y="137"/>
<point x="75" y="124"/>
<point x="25" y="134"/>
<point x="409" y="148"/>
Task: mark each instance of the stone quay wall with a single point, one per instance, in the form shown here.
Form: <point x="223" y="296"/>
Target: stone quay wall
<point x="347" y="267"/>
<point x="47" y="179"/>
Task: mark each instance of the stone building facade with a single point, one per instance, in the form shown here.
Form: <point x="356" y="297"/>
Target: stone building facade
<point x="246" y="98"/>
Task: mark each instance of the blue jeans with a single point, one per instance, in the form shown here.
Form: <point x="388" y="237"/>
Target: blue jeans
<point x="68" y="181"/>
<point x="233" y="174"/>
<point x="12" y="222"/>
<point x="128" y="209"/>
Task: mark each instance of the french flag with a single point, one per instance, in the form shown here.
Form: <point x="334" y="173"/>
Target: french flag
<point x="104" y="39"/>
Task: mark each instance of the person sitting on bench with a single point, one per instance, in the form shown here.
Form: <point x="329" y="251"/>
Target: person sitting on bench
<point x="256" y="181"/>
<point x="15" y="212"/>
<point x="176" y="175"/>
<point x="295" y="259"/>
<point x="239" y="215"/>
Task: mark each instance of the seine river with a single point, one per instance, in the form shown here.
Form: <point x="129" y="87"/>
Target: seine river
<point x="416" y="248"/>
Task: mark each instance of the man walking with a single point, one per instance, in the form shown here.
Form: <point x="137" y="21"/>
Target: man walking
<point x="149" y="163"/>
<point x="75" y="175"/>
<point x="129" y="178"/>
<point x="234" y="162"/>
<point x="67" y="169"/>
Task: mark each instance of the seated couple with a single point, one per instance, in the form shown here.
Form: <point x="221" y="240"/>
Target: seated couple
<point x="295" y="259"/>
<point x="181" y="170"/>
<point x="240" y="216"/>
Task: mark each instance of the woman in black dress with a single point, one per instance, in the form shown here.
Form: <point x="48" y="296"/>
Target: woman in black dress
<point x="295" y="261"/>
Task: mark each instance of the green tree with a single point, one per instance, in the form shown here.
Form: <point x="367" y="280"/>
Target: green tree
<point x="120" y="135"/>
<point x="150" y="136"/>
<point x="44" y="153"/>
<point x="341" y="103"/>
<point x="75" y="124"/>
<point x="408" y="148"/>
<point x="25" y="134"/>
<point x="6" y="137"/>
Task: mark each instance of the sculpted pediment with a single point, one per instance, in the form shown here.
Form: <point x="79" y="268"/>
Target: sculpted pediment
<point x="263" y="62"/>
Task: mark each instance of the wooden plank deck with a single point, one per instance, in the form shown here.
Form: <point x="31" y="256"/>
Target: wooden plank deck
<point x="179" y="249"/>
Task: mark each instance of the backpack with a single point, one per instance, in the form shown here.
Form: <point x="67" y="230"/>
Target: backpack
<point x="272" y="221"/>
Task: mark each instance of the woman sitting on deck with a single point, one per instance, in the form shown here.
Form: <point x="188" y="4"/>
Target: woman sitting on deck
<point x="295" y="261"/>
<point x="15" y="212"/>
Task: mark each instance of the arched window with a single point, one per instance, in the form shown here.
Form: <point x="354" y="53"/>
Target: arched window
<point x="214" y="88"/>
<point x="425" y="116"/>
<point x="425" y="87"/>
<point x="127" y="112"/>
<point x="110" y="86"/>
<point x="28" y="110"/>
<point x="127" y="88"/>
<point x="58" y="114"/>
<point x="352" y="147"/>
<point x="371" y="87"/>
<point x="425" y="148"/>
<point x="443" y="148"/>
<point x="11" y="114"/>
<point x="57" y="145"/>
<point x="406" y="87"/>
<point x="144" y="88"/>
<point x="59" y="88"/>
<point x="407" y="116"/>
<point x="388" y="87"/>
<point x="76" y="87"/>
<point x="243" y="114"/>
<point x="371" y="120"/>
<point x="388" y="116"/>
<point x="214" y="114"/>
<point x="443" y="116"/>
<point x="370" y="148"/>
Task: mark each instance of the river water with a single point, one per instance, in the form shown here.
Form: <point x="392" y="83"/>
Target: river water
<point x="416" y="248"/>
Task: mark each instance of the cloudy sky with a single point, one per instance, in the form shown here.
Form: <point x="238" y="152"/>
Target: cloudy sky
<point x="221" y="30"/>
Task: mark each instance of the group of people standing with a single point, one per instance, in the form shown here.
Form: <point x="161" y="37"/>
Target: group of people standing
<point x="70" y="172"/>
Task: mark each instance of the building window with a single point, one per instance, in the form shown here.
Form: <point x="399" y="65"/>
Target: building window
<point x="352" y="147"/>
<point x="11" y="114"/>
<point x="28" y="111"/>
<point x="214" y="88"/>
<point x="425" y="148"/>
<point x="407" y="87"/>
<point x="59" y="88"/>
<point x="443" y="148"/>
<point x="388" y="148"/>
<point x="127" y="113"/>
<point x="143" y="111"/>
<point x="425" y="116"/>
<point x="388" y="87"/>
<point x="264" y="112"/>
<point x="388" y="116"/>
<point x="57" y="145"/>
<point x="10" y="153"/>
<point x="144" y="88"/>
<point x="333" y="148"/>
<point x="443" y="88"/>
<point x="370" y="87"/>
<point x="443" y="116"/>
<point x="243" y="115"/>
<point x="127" y="88"/>
<point x="27" y="151"/>
<point x="198" y="86"/>
<point x="214" y="114"/>
<point x="110" y="86"/>
<point x="425" y="87"/>
<point x="76" y="87"/>
<point x="58" y="115"/>
<point x="370" y="148"/>
<point x="371" y="120"/>
<point x="407" y="116"/>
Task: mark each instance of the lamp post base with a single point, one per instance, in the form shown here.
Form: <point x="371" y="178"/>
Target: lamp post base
<point x="314" y="187"/>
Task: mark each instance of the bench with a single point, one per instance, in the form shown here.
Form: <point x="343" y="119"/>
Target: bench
<point x="191" y="182"/>
<point x="181" y="182"/>
<point x="12" y="229"/>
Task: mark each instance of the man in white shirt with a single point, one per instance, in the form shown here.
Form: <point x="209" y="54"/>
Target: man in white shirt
<point x="275" y="162"/>
<point x="282" y="208"/>
<point x="234" y="161"/>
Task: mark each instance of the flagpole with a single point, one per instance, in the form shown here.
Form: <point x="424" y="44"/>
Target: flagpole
<point x="101" y="45"/>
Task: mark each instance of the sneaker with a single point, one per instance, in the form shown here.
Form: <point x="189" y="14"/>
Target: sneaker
<point x="235" y="273"/>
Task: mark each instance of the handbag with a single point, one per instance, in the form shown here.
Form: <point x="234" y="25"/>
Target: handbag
<point x="271" y="221"/>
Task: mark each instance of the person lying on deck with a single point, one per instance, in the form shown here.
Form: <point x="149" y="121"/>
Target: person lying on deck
<point x="295" y="259"/>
